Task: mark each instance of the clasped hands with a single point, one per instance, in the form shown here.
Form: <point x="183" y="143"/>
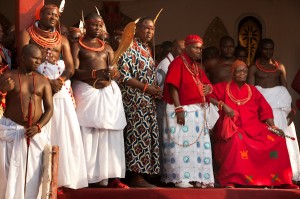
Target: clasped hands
<point x="155" y="91"/>
<point x="106" y="74"/>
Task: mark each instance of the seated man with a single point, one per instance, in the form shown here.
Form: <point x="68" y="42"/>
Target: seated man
<point x="29" y="107"/>
<point x="249" y="149"/>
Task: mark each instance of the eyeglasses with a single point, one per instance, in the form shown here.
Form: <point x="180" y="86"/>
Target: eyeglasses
<point x="238" y="71"/>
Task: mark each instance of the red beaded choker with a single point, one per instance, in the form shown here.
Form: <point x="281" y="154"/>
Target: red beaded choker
<point x="91" y="48"/>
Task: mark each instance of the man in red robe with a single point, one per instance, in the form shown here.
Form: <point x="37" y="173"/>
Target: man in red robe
<point x="248" y="152"/>
<point x="187" y="157"/>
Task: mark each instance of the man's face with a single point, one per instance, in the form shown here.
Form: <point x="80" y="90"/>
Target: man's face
<point x="33" y="60"/>
<point x="49" y="18"/>
<point x="94" y="27"/>
<point x="194" y="51"/>
<point x="240" y="74"/>
<point x="178" y="48"/>
<point x="145" y="30"/>
<point x="267" y="51"/>
<point x="242" y="55"/>
<point x="227" y="49"/>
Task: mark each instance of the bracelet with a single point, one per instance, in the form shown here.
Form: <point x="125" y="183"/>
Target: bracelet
<point x="178" y="107"/>
<point x="94" y="84"/>
<point x="61" y="79"/>
<point x="145" y="87"/>
<point x="94" y="74"/>
<point x="179" y="110"/>
<point x="274" y="127"/>
<point x="3" y="94"/>
<point x="39" y="127"/>
<point x="220" y="105"/>
<point x="211" y="88"/>
<point x="114" y="74"/>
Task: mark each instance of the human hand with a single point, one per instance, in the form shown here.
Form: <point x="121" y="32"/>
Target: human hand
<point x="228" y="111"/>
<point x="155" y="91"/>
<point x="180" y="118"/>
<point x="207" y="89"/>
<point x="6" y="84"/>
<point x="280" y="132"/>
<point x="290" y="117"/>
<point x="31" y="131"/>
<point x="56" y="85"/>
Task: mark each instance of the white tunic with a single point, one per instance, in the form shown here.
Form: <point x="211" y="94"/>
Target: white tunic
<point x="64" y="131"/>
<point x="280" y="100"/>
<point x="13" y="150"/>
<point x="102" y="120"/>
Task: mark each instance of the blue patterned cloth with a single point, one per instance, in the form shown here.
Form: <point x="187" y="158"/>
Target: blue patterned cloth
<point x="187" y="149"/>
<point x="141" y="132"/>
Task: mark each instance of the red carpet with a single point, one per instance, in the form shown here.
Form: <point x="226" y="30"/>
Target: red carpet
<point x="175" y="193"/>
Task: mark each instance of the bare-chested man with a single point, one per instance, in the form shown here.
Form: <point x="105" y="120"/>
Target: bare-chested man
<point x="269" y="76"/>
<point x="63" y="128"/>
<point x="221" y="72"/>
<point x="99" y="106"/>
<point x="29" y="88"/>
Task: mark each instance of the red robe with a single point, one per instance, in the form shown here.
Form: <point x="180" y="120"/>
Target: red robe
<point x="179" y="76"/>
<point x="253" y="155"/>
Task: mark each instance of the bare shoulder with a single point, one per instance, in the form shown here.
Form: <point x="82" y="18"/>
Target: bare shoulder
<point x="281" y="66"/>
<point x="109" y="48"/>
<point x="24" y="33"/>
<point x="41" y="78"/>
<point x="64" y="40"/>
<point x="24" y="38"/>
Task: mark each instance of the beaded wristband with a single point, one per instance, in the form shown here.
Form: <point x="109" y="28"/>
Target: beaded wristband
<point x="114" y="74"/>
<point x="61" y="79"/>
<point x="179" y="110"/>
<point x="94" y="74"/>
<point x="211" y="89"/>
<point x="274" y="127"/>
<point x="3" y="94"/>
<point x="145" y="87"/>
<point x="178" y="107"/>
<point x="220" y="105"/>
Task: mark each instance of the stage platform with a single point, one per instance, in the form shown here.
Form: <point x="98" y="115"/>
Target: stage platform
<point x="176" y="193"/>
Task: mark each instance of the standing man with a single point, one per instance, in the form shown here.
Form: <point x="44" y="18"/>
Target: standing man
<point x="221" y="72"/>
<point x="187" y="149"/>
<point x="29" y="102"/>
<point x="63" y="128"/>
<point x="139" y="93"/>
<point x="99" y="106"/>
<point x="162" y="69"/>
<point x="269" y="77"/>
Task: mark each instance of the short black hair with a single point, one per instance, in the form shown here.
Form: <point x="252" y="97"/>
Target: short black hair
<point x="142" y="19"/>
<point x="28" y="49"/>
<point x="266" y="41"/>
<point x="226" y="38"/>
<point x="92" y="15"/>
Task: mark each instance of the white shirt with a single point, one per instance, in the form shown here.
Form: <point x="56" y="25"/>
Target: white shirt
<point x="162" y="69"/>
